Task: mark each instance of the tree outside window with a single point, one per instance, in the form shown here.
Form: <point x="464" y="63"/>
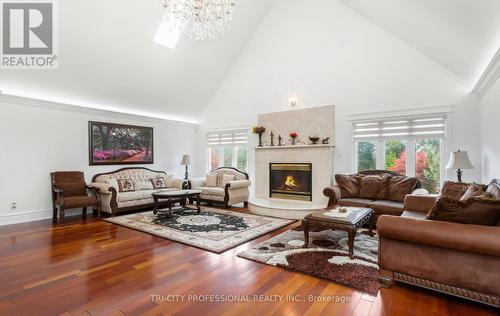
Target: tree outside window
<point x="395" y="156"/>
<point x="367" y="156"/>
<point x="228" y="156"/>
<point x="428" y="164"/>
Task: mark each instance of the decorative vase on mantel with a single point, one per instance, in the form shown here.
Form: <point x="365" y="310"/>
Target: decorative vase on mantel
<point x="293" y="136"/>
<point x="259" y="130"/>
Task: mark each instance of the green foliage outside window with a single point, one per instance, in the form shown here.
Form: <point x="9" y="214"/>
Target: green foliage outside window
<point x="393" y="151"/>
<point x="429" y="175"/>
<point x="366" y="156"/>
<point x="241" y="162"/>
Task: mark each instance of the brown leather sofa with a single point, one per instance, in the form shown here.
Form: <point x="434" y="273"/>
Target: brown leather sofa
<point x="392" y="204"/>
<point x="458" y="259"/>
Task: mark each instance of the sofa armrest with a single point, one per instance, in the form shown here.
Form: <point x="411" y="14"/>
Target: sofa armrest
<point x="100" y="187"/>
<point x="197" y="182"/>
<point x="463" y="237"/>
<point x="420" y="203"/>
<point x="333" y="193"/>
<point x="179" y="183"/>
<point x="57" y="189"/>
<point x="238" y="184"/>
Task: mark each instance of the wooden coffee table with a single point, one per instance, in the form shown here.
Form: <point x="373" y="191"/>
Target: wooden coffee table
<point x="357" y="217"/>
<point x="171" y="197"/>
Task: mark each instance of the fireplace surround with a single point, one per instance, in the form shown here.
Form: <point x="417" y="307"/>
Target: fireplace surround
<point x="290" y="181"/>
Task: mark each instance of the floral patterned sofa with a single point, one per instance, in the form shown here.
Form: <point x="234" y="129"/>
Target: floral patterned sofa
<point x="233" y="191"/>
<point x="130" y="188"/>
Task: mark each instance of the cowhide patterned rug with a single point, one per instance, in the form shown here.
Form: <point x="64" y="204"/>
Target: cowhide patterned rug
<point x="326" y="258"/>
<point x="215" y="230"/>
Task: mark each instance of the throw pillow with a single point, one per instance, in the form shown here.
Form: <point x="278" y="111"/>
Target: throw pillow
<point x="348" y="184"/>
<point x="226" y="178"/>
<point x="211" y="180"/>
<point x="476" y="211"/>
<point x="494" y="191"/>
<point x="159" y="183"/>
<point x="125" y="185"/>
<point x="474" y="190"/>
<point x="374" y="187"/>
<point x="168" y="180"/>
<point x="400" y="186"/>
<point x="143" y="185"/>
<point x="454" y="189"/>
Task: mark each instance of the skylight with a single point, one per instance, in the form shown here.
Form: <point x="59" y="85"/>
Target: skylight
<point x="167" y="35"/>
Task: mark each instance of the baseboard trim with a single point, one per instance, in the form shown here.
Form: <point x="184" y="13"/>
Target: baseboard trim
<point x="29" y="216"/>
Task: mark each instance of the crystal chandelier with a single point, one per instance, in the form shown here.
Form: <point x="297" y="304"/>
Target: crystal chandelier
<point x="199" y="19"/>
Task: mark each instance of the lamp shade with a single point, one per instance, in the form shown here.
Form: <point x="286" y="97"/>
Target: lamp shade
<point x="186" y="160"/>
<point x="459" y="160"/>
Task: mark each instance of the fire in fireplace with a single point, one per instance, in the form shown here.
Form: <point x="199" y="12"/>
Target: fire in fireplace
<point x="290" y="181"/>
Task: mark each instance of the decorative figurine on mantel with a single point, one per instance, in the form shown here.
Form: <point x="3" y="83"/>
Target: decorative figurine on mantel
<point x="259" y="130"/>
<point x="326" y="141"/>
<point x="293" y="137"/>
<point x="280" y="140"/>
<point x="272" y="138"/>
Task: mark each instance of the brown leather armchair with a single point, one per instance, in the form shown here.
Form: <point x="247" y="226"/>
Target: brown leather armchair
<point x="69" y="191"/>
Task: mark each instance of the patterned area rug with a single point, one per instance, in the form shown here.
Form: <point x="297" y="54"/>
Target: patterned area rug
<point x="212" y="229"/>
<point x="326" y="258"/>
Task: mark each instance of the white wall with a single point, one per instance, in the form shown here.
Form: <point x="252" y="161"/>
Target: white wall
<point x="36" y="140"/>
<point x="490" y="145"/>
<point x="327" y="54"/>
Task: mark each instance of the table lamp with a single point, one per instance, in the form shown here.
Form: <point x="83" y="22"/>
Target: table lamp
<point x="186" y="161"/>
<point x="459" y="160"/>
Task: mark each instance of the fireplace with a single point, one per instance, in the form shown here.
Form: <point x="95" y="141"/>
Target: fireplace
<point x="290" y="181"/>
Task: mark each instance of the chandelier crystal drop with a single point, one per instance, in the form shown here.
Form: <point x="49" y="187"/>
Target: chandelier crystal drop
<point x="199" y="19"/>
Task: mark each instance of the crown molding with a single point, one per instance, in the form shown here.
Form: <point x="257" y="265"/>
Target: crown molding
<point x="57" y="106"/>
<point x="489" y="76"/>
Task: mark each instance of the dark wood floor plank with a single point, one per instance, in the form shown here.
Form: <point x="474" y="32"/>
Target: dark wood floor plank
<point x="89" y="267"/>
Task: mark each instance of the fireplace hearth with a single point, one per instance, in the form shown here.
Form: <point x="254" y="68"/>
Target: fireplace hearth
<point x="290" y="181"/>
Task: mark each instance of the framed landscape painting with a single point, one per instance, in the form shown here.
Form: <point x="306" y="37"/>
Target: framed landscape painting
<point x="118" y="144"/>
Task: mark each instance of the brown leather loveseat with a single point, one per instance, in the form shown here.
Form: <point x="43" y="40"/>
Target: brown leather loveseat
<point x="381" y="190"/>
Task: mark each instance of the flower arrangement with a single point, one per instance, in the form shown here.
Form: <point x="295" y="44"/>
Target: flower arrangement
<point x="293" y="136"/>
<point x="259" y="130"/>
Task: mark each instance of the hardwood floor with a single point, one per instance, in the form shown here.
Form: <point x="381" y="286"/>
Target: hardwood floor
<point x="92" y="267"/>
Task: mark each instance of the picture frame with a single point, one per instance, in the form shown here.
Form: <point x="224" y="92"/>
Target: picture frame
<point x="120" y="144"/>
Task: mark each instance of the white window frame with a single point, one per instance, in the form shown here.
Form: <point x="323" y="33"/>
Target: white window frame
<point x="234" y="161"/>
<point x="410" y="140"/>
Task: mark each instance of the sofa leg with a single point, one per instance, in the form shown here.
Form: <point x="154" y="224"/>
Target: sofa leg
<point x="84" y="211"/>
<point x="385" y="278"/>
<point x="245" y="204"/>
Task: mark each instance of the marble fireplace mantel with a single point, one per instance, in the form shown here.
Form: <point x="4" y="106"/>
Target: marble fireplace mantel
<point x="315" y="121"/>
<point x="293" y="146"/>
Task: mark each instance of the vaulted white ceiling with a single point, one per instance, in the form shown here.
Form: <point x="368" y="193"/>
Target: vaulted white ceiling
<point x="460" y="35"/>
<point x="107" y="56"/>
